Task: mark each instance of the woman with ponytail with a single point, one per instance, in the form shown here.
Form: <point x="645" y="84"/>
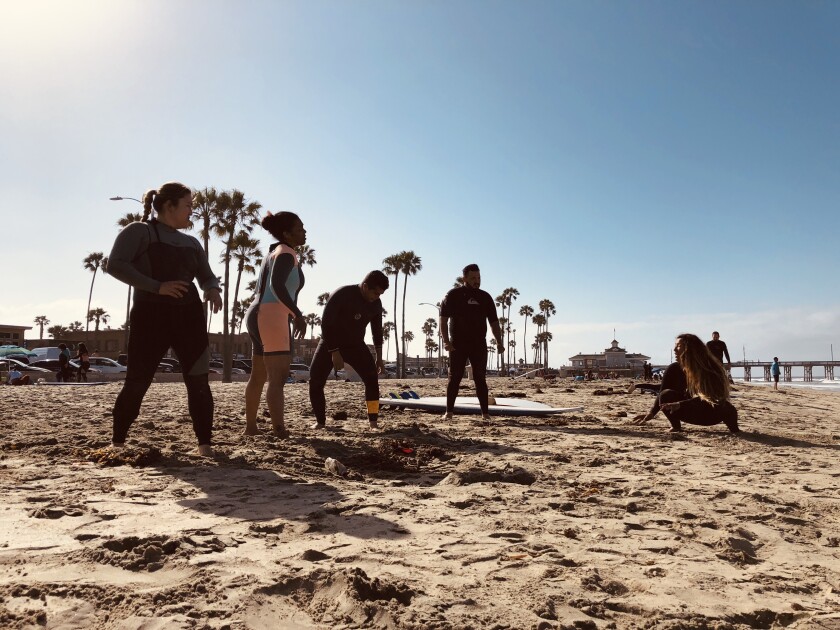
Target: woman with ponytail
<point x="695" y="389"/>
<point x="161" y="262"/>
<point x="269" y="320"/>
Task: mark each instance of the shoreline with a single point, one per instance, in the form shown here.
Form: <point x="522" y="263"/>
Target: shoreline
<point x="571" y="521"/>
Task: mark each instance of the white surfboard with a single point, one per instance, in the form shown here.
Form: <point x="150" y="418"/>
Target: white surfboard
<point x="467" y="405"/>
<point x="72" y="384"/>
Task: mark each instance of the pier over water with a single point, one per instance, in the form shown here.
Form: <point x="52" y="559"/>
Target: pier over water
<point x="787" y="369"/>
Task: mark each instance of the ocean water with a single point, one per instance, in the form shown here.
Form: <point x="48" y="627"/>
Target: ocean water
<point x="817" y="383"/>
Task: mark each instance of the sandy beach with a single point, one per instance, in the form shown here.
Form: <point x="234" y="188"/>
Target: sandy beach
<point x="573" y="521"/>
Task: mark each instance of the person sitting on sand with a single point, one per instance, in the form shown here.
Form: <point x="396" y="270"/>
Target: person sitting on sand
<point x="695" y="389"/>
<point x="160" y="262"/>
<point x="16" y="377"/>
<point x="343" y="325"/>
<point x="268" y="319"/>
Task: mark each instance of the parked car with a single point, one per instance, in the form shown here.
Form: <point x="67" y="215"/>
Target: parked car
<point x="242" y="365"/>
<point x="51" y="365"/>
<point x="175" y="363"/>
<point x="7" y="363"/>
<point x="218" y="365"/>
<point x="299" y="372"/>
<point x="75" y="364"/>
<point x="106" y="365"/>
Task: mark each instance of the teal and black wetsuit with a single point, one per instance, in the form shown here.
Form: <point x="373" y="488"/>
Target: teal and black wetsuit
<point x="145" y="255"/>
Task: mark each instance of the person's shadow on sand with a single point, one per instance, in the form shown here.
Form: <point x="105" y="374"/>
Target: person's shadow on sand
<point x="255" y="494"/>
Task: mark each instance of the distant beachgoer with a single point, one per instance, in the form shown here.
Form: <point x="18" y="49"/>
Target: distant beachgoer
<point x="84" y="363"/>
<point x="268" y="320"/>
<point x="64" y="370"/>
<point x="16" y="377"/>
<point x="718" y="347"/>
<point x="695" y="389"/>
<point x="346" y="317"/>
<point x="160" y="262"/>
<point x="775" y="371"/>
<point x="467" y="310"/>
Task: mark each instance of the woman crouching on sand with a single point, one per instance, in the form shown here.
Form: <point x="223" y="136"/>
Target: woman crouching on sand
<point x="160" y="262"/>
<point x="695" y="389"/>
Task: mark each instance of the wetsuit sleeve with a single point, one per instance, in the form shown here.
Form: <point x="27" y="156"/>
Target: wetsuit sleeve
<point x="283" y="266"/>
<point x="376" y="325"/>
<point x="205" y="276"/>
<point x="129" y="244"/>
<point x="331" y="321"/>
<point x="445" y="308"/>
<point x="490" y="309"/>
<point x="726" y="352"/>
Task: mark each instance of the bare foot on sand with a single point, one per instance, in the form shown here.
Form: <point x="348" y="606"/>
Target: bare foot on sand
<point x="280" y="431"/>
<point x="252" y="431"/>
<point x="205" y="450"/>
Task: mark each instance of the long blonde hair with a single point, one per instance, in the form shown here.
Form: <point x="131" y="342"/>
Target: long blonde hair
<point x="704" y="374"/>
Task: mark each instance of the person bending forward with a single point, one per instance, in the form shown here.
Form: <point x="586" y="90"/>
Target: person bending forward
<point x="346" y="316"/>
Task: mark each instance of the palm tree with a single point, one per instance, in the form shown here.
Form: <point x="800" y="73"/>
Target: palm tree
<point x="547" y="309"/>
<point x="124" y="221"/>
<point x="93" y="262"/>
<point x="57" y="332"/>
<point x="429" y="328"/>
<point x="431" y="348"/>
<point x="526" y="312"/>
<point x="491" y="350"/>
<point x="204" y="211"/>
<point x="387" y="329"/>
<point x="312" y="320"/>
<point x="512" y="344"/>
<point x="245" y="249"/>
<point x="540" y="321"/>
<point x="75" y="326"/>
<point x="306" y="255"/>
<point x="41" y="321"/>
<point x="459" y="282"/>
<point x="391" y="267"/>
<point x="543" y="338"/>
<point x="98" y="315"/>
<point x="231" y="213"/>
<point x="410" y="265"/>
<point x="407" y="338"/>
<point x="323" y="299"/>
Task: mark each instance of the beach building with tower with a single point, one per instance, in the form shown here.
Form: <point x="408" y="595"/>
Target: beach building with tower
<point x="612" y="359"/>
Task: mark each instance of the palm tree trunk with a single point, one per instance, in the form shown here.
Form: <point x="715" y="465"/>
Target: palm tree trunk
<point x="405" y="343"/>
<point x="396" y="332"/>
<point x="525" y="342"/>
<point x="227" y="354"/>
<point x="90" y="297"/>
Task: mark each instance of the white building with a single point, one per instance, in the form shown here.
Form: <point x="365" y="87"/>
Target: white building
<point x="612" y="358"/>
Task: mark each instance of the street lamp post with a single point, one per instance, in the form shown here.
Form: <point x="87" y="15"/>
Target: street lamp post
<point x="128" y="301"/>
<point x="439" y="346"/>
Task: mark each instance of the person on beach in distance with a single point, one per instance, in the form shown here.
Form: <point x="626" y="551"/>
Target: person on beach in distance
<point x="160" y="262"/>
<point x="84" y="363"/>
<point x="16" y="377"/>
<point x="269" y="317"/>
<point x="64" y="371"/>
<point x="346" y="316"/>
<point x="695" y="389"/>
<point x="775" y="371"/>
<point x="718" y="348"/>
<point x="468" y="309"/>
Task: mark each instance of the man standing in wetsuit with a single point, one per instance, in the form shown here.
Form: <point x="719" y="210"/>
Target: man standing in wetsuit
<point x="718" y="347"/>
<point x="468" y="309"/>
<point x="346" y="316"/>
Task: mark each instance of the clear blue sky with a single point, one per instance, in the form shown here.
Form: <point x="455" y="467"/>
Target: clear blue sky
<point x="653" y="167"/>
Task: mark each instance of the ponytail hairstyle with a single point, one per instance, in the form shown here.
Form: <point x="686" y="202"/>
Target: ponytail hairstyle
<point x="170" y="191"/>
<point x="276" y="224"/>
<point x="704" y="374"/>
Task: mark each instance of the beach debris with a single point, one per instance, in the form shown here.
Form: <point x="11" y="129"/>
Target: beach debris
<point x="335" y="467"/>
<point x="133" y="457"/>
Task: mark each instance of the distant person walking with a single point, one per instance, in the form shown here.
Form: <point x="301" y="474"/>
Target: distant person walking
<point x="84" y="363"/>
<point x="464" y="314"/>
<point x="695" y="389"/>
<point x="269" y="321"/>
<point x="346" y="317"/>
<point x="718" y="347"/>
<point x="160" y="262"/>
<point x="64" y="370"/>
<point x="775" y="372"/>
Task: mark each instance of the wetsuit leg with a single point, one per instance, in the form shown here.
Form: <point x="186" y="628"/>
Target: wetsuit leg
<point x="669" y="396"/>
<point x="191" y="345"/>
<point x="457" y="366"/>
<point x="318" y="373"/>
<point x="360" y="358"/>
<point x="147" y="343"/>
<point x="478" y="361"/>
<point x="700" y="412"/>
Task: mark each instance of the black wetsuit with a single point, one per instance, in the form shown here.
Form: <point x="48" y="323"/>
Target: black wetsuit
<point x="468" y="311"/>
<point x="692" y="409"/>
<point x="718" y="348"/>
<point x="343" y="325"/>
<point x="145" y="255"/>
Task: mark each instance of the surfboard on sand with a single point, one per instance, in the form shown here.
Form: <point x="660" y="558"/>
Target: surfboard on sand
<point x="71" y="384"/>
<point x="467" y="405"/>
